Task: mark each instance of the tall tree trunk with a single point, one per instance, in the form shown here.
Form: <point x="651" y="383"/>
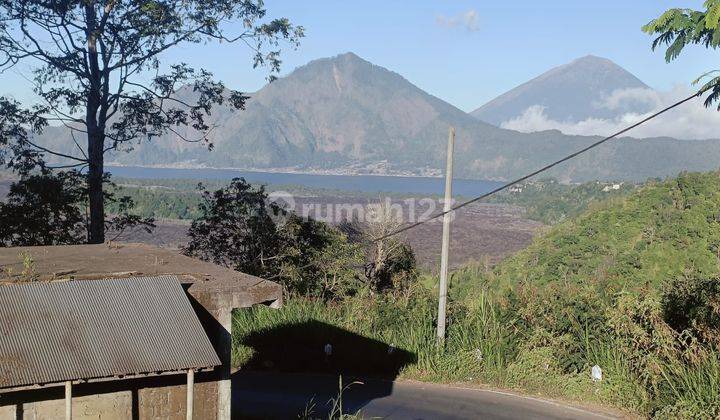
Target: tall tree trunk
<point x="96" y="230"/>
<point x="95" y="132"/>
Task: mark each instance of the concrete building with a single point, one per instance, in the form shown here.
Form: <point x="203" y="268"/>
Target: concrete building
<point x="130" y="331"/>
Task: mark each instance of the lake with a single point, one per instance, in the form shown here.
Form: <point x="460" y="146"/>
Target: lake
<point x="360" y="183"/>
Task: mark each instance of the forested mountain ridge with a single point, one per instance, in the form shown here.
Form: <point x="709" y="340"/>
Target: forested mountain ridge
<point x="342" y="112"/>
<point x="664" y="231"/>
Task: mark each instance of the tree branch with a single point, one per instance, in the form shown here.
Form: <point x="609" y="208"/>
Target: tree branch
<point x="46" y="150"/>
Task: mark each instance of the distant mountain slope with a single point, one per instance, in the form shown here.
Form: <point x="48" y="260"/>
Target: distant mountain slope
<point x="324" y="114"/>
<point x="342" y="111"/>
<point x="662" y="232"/>
<point x="571" y="92"/>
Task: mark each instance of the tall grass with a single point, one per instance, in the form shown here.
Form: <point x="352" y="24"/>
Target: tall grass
<point x="476" y="343"/>
<point x="486" y="344"/>
<point x="693" y="389"/>
<point x="336" y="412"/>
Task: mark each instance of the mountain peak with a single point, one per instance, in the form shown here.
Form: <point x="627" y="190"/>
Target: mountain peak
<point x="350" y="56"/>
<point x="343" y="113"/>
<point x="344" y="58"/>
<point x="344" y="74"/>
<point x="592" y="59"/>
<point x="570" y="92"/>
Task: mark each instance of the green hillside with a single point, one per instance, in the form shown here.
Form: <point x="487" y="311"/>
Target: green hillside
<point x="665" y="230"/>
<point x="631" y="285"/>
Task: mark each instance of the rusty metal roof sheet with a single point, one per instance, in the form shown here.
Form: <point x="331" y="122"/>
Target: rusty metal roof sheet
<point x="62" y="331"/>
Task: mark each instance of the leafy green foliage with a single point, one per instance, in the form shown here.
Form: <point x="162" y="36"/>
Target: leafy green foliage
<point x="180" y="199"/>
<point x="678" y="28"/>
<point x="236" y="230"/>
<point x="159" y="202"/>
<point x="551" y="202"/>
<point x="664" y="230"/>
<point x="547" y="200"/>
<point x="319" y="260"/>
<point x="639" y="273"/>
<point x="49" y="208"/>
<point x="693" y="305"/>
<point x="96" y="70"/>
<point x="239" y="228"/>
<point x="43" y="209"/>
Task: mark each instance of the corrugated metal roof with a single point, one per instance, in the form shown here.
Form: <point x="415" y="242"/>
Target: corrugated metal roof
<point x="54" y="332"/>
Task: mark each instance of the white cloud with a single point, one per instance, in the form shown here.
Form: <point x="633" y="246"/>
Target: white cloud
<point x="468" y="19"/>
<point x="690" y="121"/>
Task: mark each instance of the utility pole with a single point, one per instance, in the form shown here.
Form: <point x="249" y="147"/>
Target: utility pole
<point x="445" y="253"/>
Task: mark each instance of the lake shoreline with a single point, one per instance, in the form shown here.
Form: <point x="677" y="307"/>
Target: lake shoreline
<point x="296" y="171"/>
<point x="359" y="183"/>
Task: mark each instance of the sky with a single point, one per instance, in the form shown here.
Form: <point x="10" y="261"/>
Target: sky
<point x="464" y="52"/>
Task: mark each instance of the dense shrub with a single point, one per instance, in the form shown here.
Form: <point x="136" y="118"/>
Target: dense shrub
<point x="43" y="209"/>
<point x="236" y="229"/>
<point x="50" y="208"/>
<point x="692" y="306"/>
<point x="551" y="202"/>
<point x="239" y="228"/>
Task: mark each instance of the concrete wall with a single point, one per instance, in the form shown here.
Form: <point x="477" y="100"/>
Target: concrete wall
<point x="148" y="398"/>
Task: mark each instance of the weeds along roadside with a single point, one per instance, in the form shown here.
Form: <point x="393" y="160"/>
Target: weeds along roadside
<point x="490" y="343"/>
<point x="631" y="286"/>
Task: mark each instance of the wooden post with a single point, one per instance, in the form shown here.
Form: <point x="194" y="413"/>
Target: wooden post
<point x="444" y="264"/>
<point x="68" y="400"/>
<point x="190" y="389"/>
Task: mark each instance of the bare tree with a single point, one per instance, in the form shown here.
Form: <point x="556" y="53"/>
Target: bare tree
<point x="97" y="72"/>
<point x="387" y="256"/>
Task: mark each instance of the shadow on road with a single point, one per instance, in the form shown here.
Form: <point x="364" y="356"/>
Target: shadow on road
<point x="264" y="387"/>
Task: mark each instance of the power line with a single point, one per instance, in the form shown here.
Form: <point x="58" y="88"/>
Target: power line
<point x="521" y="179"/>
<point x="543" y="169"/>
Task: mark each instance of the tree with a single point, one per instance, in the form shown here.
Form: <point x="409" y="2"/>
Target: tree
<point x="43" y="209"/>
<point x="317" y="259"/>
<point x="50" y="208"/>
<point x="390" y="263"/>
<point x="691" y="305"/>
<point x="236" y="229"/>
<point x="97" y="71"/>
<point x="678" y="28"/>
<point x="240" y="229"/>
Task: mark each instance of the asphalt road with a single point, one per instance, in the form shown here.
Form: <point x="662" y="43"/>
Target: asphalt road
<point x="277" y="396"/>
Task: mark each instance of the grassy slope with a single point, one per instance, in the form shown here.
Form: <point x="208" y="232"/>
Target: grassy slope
<point x="594" y="290"/>
<point x="632" y="285"/>
<point x="664" y="230"/>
